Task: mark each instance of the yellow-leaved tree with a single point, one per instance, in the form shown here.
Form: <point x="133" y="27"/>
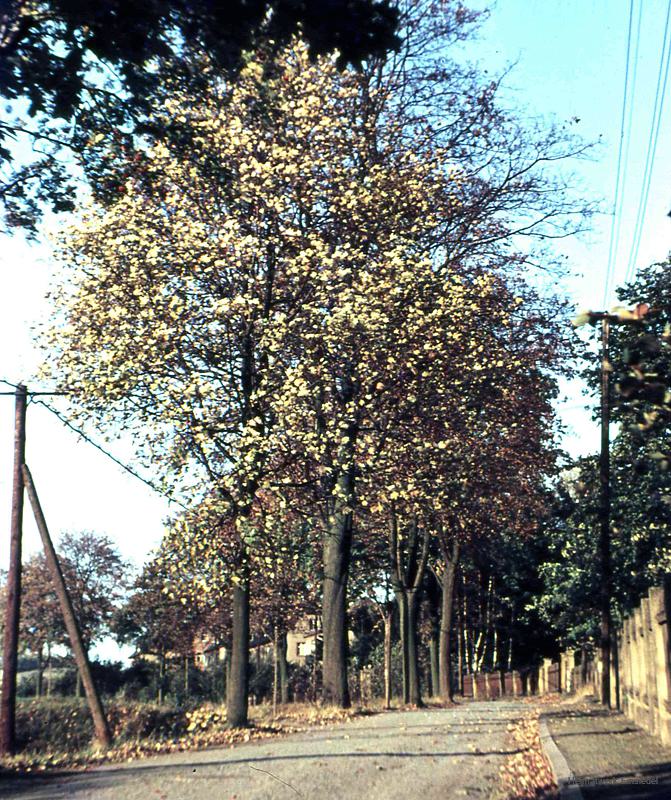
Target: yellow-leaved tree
<point x="238" y="306"/>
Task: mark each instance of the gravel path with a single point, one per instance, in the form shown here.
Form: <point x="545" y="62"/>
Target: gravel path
<point x="430" y="755"/>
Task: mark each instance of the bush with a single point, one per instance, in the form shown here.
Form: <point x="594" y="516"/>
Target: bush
<point x="65" y="724"/>
<point x="42" y="723"/>
<point x="305" y="682"/>
<point x="261" y="678"/>
<point x="376" y="661"/>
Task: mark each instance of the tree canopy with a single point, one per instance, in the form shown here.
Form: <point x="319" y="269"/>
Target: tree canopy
<point x="64" y="64"/>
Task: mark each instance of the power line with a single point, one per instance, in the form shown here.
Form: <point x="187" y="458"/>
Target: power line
<point x="619" y="187"/>
<point x="109" y="455"/>
<point x="630" y="123"/>
<point x="660" y="96"/>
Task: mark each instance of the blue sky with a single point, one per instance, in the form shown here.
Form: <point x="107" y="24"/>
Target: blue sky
<point x="569" y="62"/>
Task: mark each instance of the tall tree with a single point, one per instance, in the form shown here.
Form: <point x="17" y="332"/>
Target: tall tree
<point x="258" y="262"/>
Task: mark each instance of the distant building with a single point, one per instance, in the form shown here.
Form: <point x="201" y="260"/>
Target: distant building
<point x="301" y="644"/>
<point x="302" y="641"/>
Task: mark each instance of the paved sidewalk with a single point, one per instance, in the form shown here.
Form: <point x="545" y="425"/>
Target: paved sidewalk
<point x="609" y="756"/>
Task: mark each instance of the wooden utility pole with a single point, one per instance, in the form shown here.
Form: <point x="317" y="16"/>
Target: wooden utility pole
<point x="97" y="712"/>
<point x="606" y="571"/>
<point x="13" y="608"/>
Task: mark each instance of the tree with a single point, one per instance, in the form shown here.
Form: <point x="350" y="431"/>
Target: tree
<point x="237" y="299"/>
<point x="157" y="623"/>
<point x="95" y="576"/>
<point x="460" y="225"/>
<point x="41" y="625"/>
<point x="255" y="284"/>
<point x="64" y="65"/>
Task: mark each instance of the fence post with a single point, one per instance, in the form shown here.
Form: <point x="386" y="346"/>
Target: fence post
<point x="661" y="604"/>
<point x="634" y="667"/>
<point x="641" y="670"/>
<point x="651" y="677"/>
<point x="625" y="667"/>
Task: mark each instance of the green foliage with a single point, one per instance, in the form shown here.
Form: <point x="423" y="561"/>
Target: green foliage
<point x="376" y="661"/>
<point x="568" y="602"/>
<point x="68" y="65"/>
<point x="640" y="542"/>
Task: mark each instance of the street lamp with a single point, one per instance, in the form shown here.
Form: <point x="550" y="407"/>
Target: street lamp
<point x="617" y="315"/>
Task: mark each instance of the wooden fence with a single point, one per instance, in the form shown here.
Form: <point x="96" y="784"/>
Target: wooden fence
<point x="644" y="664"/>
<point x="640" y="681"/>
<point x="491" y="685"/>
<point x="640" y="669"/>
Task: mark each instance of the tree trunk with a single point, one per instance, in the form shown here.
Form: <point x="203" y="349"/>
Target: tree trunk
<point x="40" y="673"/>
<point x="402" y="602"/>
<point x="276" y="669"/>
<point x="387" y="660"/>
<point x="432" y="605"/>
<point x="414" y="693"/>
<point x="49" y="669"/>
<point x="445" y="666"/>
<point x="237" y="685"/>
<point x="408" y="561"/>
<point x="483" y="636"/>
<point x="284" y="668"/>
<point x="78" y="683"/>
<point x="433" y="662"/>
<point x="161" y="678"/>
<point x="510" y="639"/>
<point x="186" y="676"/>
<point x="463" y="643"/>
<point x="460" y="658"/>
<point x="334" y="603"/>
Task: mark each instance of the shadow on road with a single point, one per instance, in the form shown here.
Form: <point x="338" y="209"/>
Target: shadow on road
<point x="78" y="783"/>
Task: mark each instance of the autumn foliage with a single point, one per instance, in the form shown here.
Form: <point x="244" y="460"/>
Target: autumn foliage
<point x="308" y="303"/>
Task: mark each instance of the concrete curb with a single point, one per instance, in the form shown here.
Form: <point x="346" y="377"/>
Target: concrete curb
<point x="568" y="789"/>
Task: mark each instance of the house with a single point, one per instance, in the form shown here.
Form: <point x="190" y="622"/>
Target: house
<point x="302" y="641"/>
<point x="301" y="644"/>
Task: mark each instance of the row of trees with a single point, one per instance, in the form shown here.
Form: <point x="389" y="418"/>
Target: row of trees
<point x="307" y="293"/>
<point x="172" y="636"/>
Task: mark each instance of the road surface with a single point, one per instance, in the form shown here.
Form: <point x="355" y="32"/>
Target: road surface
<point x="430" y="754"/>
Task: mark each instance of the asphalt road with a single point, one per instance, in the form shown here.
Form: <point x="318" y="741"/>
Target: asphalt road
<point x="416" y="755"/>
